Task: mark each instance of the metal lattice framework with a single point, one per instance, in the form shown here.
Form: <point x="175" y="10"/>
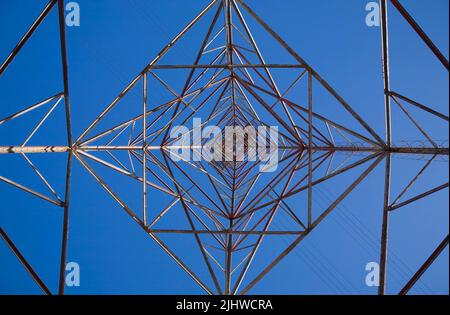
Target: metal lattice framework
<point x="229" y="208"/>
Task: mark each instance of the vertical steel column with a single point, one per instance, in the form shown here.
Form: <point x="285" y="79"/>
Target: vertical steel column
<point x="144" y="150"/>
<point x="385" y="226"/>
<point x="229" y="248"/>
<point x="386" y="80"/>
<point x="228" y="261"/>
<point x="65" y="71"/>
<point x="310" y="147"/>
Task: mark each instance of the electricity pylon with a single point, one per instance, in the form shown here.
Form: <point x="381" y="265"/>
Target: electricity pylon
<point x="229" y="208"/>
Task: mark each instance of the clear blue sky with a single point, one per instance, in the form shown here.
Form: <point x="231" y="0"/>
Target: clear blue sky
<point x="115" y="41"/>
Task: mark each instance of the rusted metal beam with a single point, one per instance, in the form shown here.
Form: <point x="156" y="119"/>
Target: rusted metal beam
<point x="33" y="149"/>
<point x="420" y="106"/>
<point x="425" y="266"/>
<point x="419" y="197"/>
<point x="385" y="226"/>
<point x="144" y="149"/>
<point x="65" y="72"/>
<point x="228" y="66"/>
<point x="31" y="191"/>
<point x="27" y="35"/>
<point x="386" y="78"/>
<point x="65" y="226"/>
<point x="63" y="149"/>
<point x="421" y="33"/>
<point x="310" y="148"/>
<point x="223" y="232"/>
<point x="24" y="262"/>
<point x="419" y="150"/>
<point x="30" y="108"/>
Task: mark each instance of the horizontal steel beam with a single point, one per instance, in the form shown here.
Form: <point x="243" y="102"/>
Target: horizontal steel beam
<point x="228" y="66"/>
<point x="62" y="149"/>
<point x="420" y="150"/>
<point x="33" y="149"/>
<point x="224" y="232"/>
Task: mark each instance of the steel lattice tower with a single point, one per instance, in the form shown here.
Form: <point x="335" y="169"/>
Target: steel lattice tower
<point x="229" y="208"/>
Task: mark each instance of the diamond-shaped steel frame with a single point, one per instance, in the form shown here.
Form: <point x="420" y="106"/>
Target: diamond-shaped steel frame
<point x="225" y="217"/>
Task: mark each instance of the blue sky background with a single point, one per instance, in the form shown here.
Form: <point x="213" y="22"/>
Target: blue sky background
<point x="115" y="41"/>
